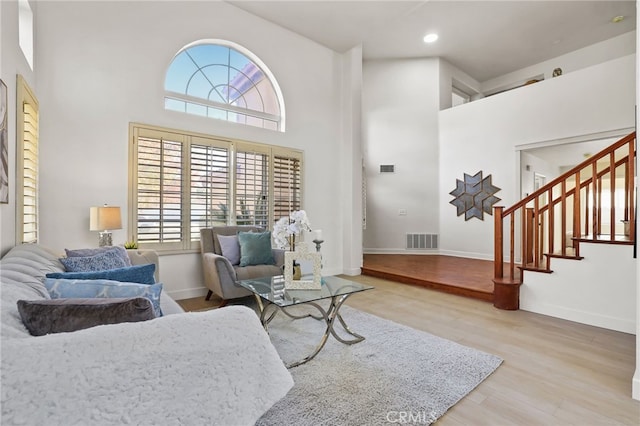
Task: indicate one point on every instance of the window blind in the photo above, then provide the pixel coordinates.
(27, 147)
(182, 182)
(159, 190)
(252, 189)
(210, 187)
(286, 185)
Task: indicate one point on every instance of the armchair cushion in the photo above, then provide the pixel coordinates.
(230, 247)
(255, 248)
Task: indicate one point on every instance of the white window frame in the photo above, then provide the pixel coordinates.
(278, 119)
(187, 138)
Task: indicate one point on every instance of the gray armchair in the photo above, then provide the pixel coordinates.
(220, 276)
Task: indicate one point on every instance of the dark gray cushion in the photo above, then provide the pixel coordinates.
(64, 315)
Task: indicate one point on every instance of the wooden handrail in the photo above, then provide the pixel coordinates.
(580, 209)
(591, 160)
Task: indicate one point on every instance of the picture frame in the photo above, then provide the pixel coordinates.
(302, 253)
(4, 145)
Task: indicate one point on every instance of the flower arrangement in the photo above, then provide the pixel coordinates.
(286, 229)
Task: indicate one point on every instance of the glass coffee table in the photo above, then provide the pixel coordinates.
(273, 297)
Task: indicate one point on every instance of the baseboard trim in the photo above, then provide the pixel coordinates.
(399, 251)
(352, 272)
(188, 293)
(431, 252)
(583, 317)
(467, 254)
(635, 384)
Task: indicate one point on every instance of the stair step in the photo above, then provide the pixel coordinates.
(534, 269)
(564, 256)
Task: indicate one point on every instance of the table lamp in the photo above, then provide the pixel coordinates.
(104, 219)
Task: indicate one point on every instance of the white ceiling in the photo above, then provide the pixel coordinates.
(485, 39)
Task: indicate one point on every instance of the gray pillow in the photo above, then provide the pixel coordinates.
(102, 261)
(87, 252)
(63, 315)
(230, 248)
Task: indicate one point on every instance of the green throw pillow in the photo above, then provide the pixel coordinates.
(255, 248)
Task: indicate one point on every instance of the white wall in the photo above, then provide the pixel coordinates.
(483, 135)
(636, 376)
(566, 292)
(535, 165)
(400, 122)
(351, 161)
(12, 62)
(597, 53)
(102, 66)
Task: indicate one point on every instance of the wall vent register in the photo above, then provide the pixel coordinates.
(422, 241)
(387, 168)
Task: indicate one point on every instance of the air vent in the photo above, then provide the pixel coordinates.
(422, 241)
(387, 168)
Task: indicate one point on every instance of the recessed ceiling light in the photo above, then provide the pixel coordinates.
(617, 19)
(430, 38)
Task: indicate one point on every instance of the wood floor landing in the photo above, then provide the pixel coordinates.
(455, 275)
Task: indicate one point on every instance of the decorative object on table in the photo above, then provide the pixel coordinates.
(4, 145)
(557, 72)
(317, 239)
(284, 233)
(287, 228)
(105, 219)
(131, 245)
(302, 253)
(474, 195)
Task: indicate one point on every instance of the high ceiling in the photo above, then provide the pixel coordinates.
(486, 39)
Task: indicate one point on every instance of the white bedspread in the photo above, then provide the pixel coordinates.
(206, 368)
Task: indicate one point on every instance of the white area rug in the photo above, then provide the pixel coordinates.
(397, 373)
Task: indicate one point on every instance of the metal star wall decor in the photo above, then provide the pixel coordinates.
(474, 196)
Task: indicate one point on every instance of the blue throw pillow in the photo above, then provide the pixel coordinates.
(141, 274)
(86, 252)
(99, 262)
(255, 248)
(84, 289)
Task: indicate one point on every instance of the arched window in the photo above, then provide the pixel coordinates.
(220, 79)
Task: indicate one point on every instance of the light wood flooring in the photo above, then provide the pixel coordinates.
(555, 372)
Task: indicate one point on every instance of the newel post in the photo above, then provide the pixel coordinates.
(506, 292)
(498, 257)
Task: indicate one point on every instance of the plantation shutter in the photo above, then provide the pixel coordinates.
(252, 188)
(30, 172)
(159, 190)
(286, 185)
(210, 187)
(27, 181)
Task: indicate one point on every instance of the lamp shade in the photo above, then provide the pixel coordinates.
(104, 218)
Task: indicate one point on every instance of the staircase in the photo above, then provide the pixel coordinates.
(593, 202)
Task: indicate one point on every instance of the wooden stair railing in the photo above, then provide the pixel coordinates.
(581, 205)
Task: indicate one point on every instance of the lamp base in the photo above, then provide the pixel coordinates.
(104, 239)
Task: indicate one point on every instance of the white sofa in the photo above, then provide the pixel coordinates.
(214, 367)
